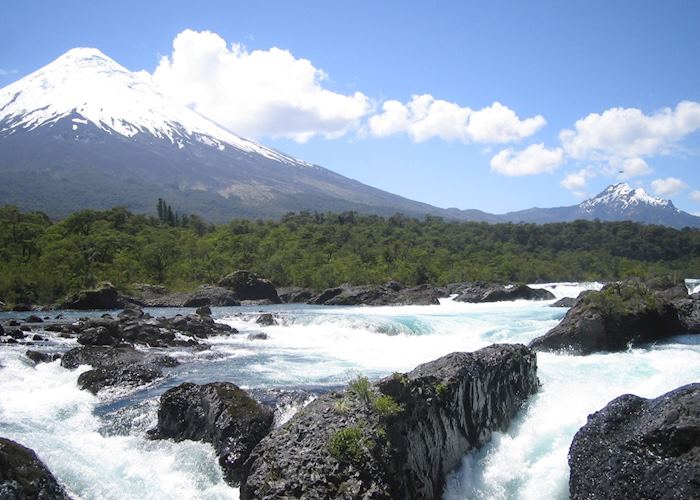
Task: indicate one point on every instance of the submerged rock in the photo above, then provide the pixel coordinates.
(115, 366)
(24, 476)
(611, 320)
(42, 357)
(398, 438)
(639, 448)
(249, 286)
(219, 413)
(266, 319)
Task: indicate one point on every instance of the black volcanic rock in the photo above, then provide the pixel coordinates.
(639, 448)
(689, 312)
(219, 413)
(398, 438)
(104, 296)
(490, 292)
(205, 295)
(133, 326)
(115, 366)
(23, 476)
(565, 302)
(295, 295)
(42, 357)
(249, 286)
(392, 293)
(612, 319)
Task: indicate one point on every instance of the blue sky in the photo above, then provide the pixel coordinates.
(499, 82)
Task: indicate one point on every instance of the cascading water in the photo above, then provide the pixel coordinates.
(98, 448)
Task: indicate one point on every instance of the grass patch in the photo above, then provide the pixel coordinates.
(348, 444)
(362, 388)
(341, 406)
(440, 389)
(386, 406)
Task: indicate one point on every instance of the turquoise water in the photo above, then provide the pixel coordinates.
(97, 447)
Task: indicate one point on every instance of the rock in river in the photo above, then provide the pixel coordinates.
(249, 286)
(398, 438)
(639, 448)
(24, 476)
(115, 366)
(219, 413)
(611, 319)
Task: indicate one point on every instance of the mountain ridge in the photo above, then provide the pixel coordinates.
(85, 132)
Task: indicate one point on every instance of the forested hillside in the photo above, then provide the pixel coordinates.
(41, 261)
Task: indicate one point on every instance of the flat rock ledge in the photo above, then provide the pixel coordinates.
(24, 476)
(397, 438)
(639, 448)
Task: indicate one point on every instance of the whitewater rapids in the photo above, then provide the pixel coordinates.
(97, 446)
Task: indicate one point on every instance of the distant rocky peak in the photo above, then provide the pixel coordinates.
(622, 196)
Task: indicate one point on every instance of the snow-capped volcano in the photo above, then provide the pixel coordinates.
(623, 197)
(84, 131)
(615, 203)
(90, 87)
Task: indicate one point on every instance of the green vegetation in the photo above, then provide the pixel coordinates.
(623, 298)
(341, 406)
(440, 389)
(42, 261)
(348, 444)
(401, 378)
(386, 406)
(362, 388)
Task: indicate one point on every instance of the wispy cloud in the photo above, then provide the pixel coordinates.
(8, 72)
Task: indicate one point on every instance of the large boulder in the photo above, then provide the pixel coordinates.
(24, 476)
(611, 319)
(115, 366)
(688, 309)
(489, 292)
(219, 413)
(249, 286)
(639, 448)
(398, 438)
(104, 296)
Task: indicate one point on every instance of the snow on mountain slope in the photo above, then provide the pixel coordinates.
(85, 82)
(621, 197)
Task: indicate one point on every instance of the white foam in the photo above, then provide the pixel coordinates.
(42, 408)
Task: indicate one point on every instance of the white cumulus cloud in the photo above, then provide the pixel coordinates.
(425, 117)
(259, 93)
(668, 187)
(534, 159)
(576, 181)
(695, 195)
(618, 134)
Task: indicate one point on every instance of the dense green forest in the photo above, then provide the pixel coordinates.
(42, 261)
